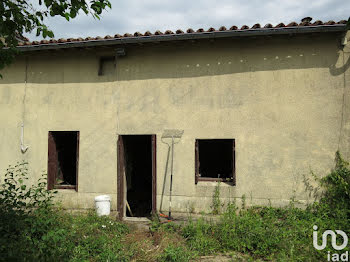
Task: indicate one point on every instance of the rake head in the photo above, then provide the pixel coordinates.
(172, 133)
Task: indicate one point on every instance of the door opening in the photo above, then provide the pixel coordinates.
(136, 175)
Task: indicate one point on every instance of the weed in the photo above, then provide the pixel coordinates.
(336, 189)
(190, 207)
(216, 201)
(243, 201)
(200, 237)
(175, 254)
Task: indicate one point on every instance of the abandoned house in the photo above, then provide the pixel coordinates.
(253, 108)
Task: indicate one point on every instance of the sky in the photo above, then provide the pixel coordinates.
(129, 16)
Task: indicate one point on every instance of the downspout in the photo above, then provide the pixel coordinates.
(23, 147)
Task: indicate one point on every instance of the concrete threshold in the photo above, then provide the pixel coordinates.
(136, 219)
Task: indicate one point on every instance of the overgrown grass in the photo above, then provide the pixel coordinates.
(32, 229)
(278, 234)
(52, 235)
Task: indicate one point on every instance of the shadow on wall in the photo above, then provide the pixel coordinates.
(335, 71)
(183, 60)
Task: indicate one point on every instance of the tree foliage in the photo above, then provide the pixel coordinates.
(21, 16)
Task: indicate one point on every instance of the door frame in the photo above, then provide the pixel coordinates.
(121, 194)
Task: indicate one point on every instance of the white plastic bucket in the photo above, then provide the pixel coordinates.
(103, 205)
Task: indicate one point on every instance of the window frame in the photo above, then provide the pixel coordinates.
(213, 179)
(52, 163)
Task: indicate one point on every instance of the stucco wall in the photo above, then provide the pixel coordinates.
(284, 99)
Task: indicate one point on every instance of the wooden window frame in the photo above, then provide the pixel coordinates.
(213, 179)
(52, 164)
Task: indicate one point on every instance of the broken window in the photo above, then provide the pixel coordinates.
(63, 160)
(215, 160)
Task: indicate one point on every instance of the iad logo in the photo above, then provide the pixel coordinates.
(334, 256)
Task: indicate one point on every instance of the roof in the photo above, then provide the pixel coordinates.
(306, 26)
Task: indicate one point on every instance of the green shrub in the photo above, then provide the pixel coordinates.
(336, 190)
(19, 204)
(32, 229)
(17, 196)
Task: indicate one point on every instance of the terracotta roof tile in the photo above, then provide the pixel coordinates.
(280, 25)
(330, 22)
(318, 22)
(307, 21)
(292, 24)
(304, 24)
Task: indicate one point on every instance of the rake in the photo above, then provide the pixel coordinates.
(175, 136)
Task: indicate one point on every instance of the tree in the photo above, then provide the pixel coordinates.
(21, 16)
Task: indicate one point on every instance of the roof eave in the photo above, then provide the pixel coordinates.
(187, 36)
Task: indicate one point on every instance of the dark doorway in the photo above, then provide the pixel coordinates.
(137, 153)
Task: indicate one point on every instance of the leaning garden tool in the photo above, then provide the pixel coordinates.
(175, 136)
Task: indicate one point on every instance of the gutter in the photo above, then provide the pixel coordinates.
(187, 36)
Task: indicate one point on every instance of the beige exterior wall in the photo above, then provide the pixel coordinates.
(286, 101)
